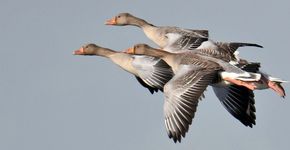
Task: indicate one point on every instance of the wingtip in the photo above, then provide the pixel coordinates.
(174, 139)
(151, 91)
(251, 44)
(256, 45)
(260, 46)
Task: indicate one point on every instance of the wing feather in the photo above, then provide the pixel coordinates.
(182, 94)
(153, 72)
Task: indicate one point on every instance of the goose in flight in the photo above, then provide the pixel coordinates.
(150, 72)
(193, 72)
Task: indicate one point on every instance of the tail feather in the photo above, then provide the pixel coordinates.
(252, 77)
(278, 80)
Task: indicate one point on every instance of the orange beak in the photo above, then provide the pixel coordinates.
(130, 50)
(79, 51)
(112, 21)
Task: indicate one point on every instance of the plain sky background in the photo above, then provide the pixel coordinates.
(53, 100)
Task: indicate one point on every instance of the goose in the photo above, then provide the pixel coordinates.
(150, 72)
(174, 39)
(193, 72)
(169, 38)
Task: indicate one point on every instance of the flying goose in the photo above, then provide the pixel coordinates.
(175, 39)
(150, 72)
(193, 73)
(169, 38)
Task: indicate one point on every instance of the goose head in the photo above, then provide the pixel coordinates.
(93, 49)
(138, 49)
(88, 49)
(123, 19)
(144, 49)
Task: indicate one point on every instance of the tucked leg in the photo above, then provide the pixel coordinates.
(248, 85)
(274, 86)
(277, 88)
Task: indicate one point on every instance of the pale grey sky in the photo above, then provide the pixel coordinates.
(52, 100)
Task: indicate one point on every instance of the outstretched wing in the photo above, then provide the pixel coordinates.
(239, 101)
(182, 93)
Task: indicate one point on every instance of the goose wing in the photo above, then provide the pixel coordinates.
(233, 46)
(183, 39)
(182, 94)
(184, 42)
(222, 50)
(150, 88)
(239, 101)
(153, 72)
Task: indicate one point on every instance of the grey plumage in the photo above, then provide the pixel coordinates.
(182, 94)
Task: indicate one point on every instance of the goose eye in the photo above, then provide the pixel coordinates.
(118, 16)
